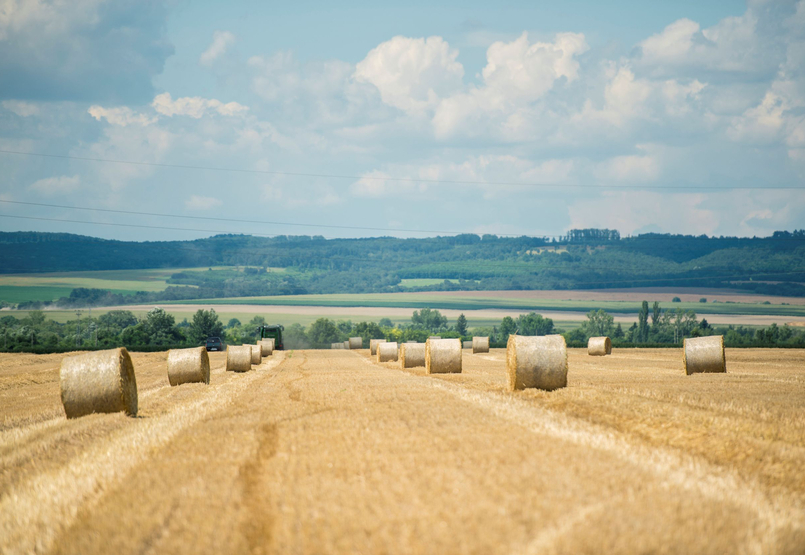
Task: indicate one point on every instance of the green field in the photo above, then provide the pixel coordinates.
(458, 302)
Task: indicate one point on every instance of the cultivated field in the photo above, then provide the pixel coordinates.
(329, 452)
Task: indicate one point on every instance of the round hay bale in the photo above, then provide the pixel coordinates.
(373, 343)
(238, 359)
(102, 381)
(387, 352)
(539, 362)
(466, 344)
(345, 345)
(188, 366)
(599, 346)
(435, 337)
(355, 343)
(256, 354)
(412, 354)
(266, 347)
(480, 345)
(704, 354)
(443, 356)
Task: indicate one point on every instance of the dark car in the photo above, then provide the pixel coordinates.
(214, 344)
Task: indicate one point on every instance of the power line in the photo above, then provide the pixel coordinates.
(265, 222)
(401, 179)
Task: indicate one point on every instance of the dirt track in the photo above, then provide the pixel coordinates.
(328, 452)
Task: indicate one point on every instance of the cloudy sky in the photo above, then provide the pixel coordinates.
(530, 118)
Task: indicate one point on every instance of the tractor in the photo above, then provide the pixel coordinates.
(273, 331)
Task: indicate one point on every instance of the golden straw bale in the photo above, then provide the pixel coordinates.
(387, 352)
(704, 354)
(238, 359)
(539, 362)
(443, 356)
(355, 343)
(102, 381)
(599, 346)
(346, 344)
(373, 343)
(466, 344)
(266, 346)
(256, 352)
(188, 366)
(412, 354)
(480, 345)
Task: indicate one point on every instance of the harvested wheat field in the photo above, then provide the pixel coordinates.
(330, 452)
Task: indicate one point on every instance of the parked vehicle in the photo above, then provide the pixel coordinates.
(214, 344)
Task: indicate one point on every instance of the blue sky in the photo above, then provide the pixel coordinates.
(519, 118)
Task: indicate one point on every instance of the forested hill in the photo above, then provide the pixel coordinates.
(583, 259)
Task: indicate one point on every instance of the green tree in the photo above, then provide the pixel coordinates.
(599, 323)
(233, 323)
(656, 314)
(385, 323)
(429, 319)
(160, 327)
(642, 323)
(618, 333)
(205, 324)
(322, 332)
(534, 324)
(507, 327)
(461, 324)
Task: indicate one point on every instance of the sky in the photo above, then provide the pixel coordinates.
(149, 120)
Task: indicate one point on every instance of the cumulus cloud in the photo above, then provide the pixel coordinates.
(52, 186)
(221, 40)
(195, 107)
(73, 50)
(412, 74)
(196, 202)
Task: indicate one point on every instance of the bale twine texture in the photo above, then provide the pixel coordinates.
(373, 343)
(266, 347)
(704, 354)
(412, 355)
(599, 346)
(256, 353)
(238, 359)
(98, 382)
(387, 352)
(355, 342)
(443, 356)
(539, 362)
(480, 345)
(188, 366)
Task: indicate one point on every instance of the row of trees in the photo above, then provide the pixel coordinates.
(158, 330)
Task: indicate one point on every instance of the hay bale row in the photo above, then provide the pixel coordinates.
(412, 355)
(599, 346)
(480, 345)
(256, 353)
(443, 356)
(373, 343)
(387, 351)
(238, 359)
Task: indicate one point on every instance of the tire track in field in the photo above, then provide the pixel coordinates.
(33, 513)
(778, 513)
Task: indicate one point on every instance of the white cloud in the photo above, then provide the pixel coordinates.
(60, 185)
(196, 202)
(516, 74)
(373, 184)
(412, 74)
(22, 109)
(630, 169)
(122, 116)
(221, 40)
(195, 107)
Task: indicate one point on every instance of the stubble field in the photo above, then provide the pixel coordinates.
(330, 452)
